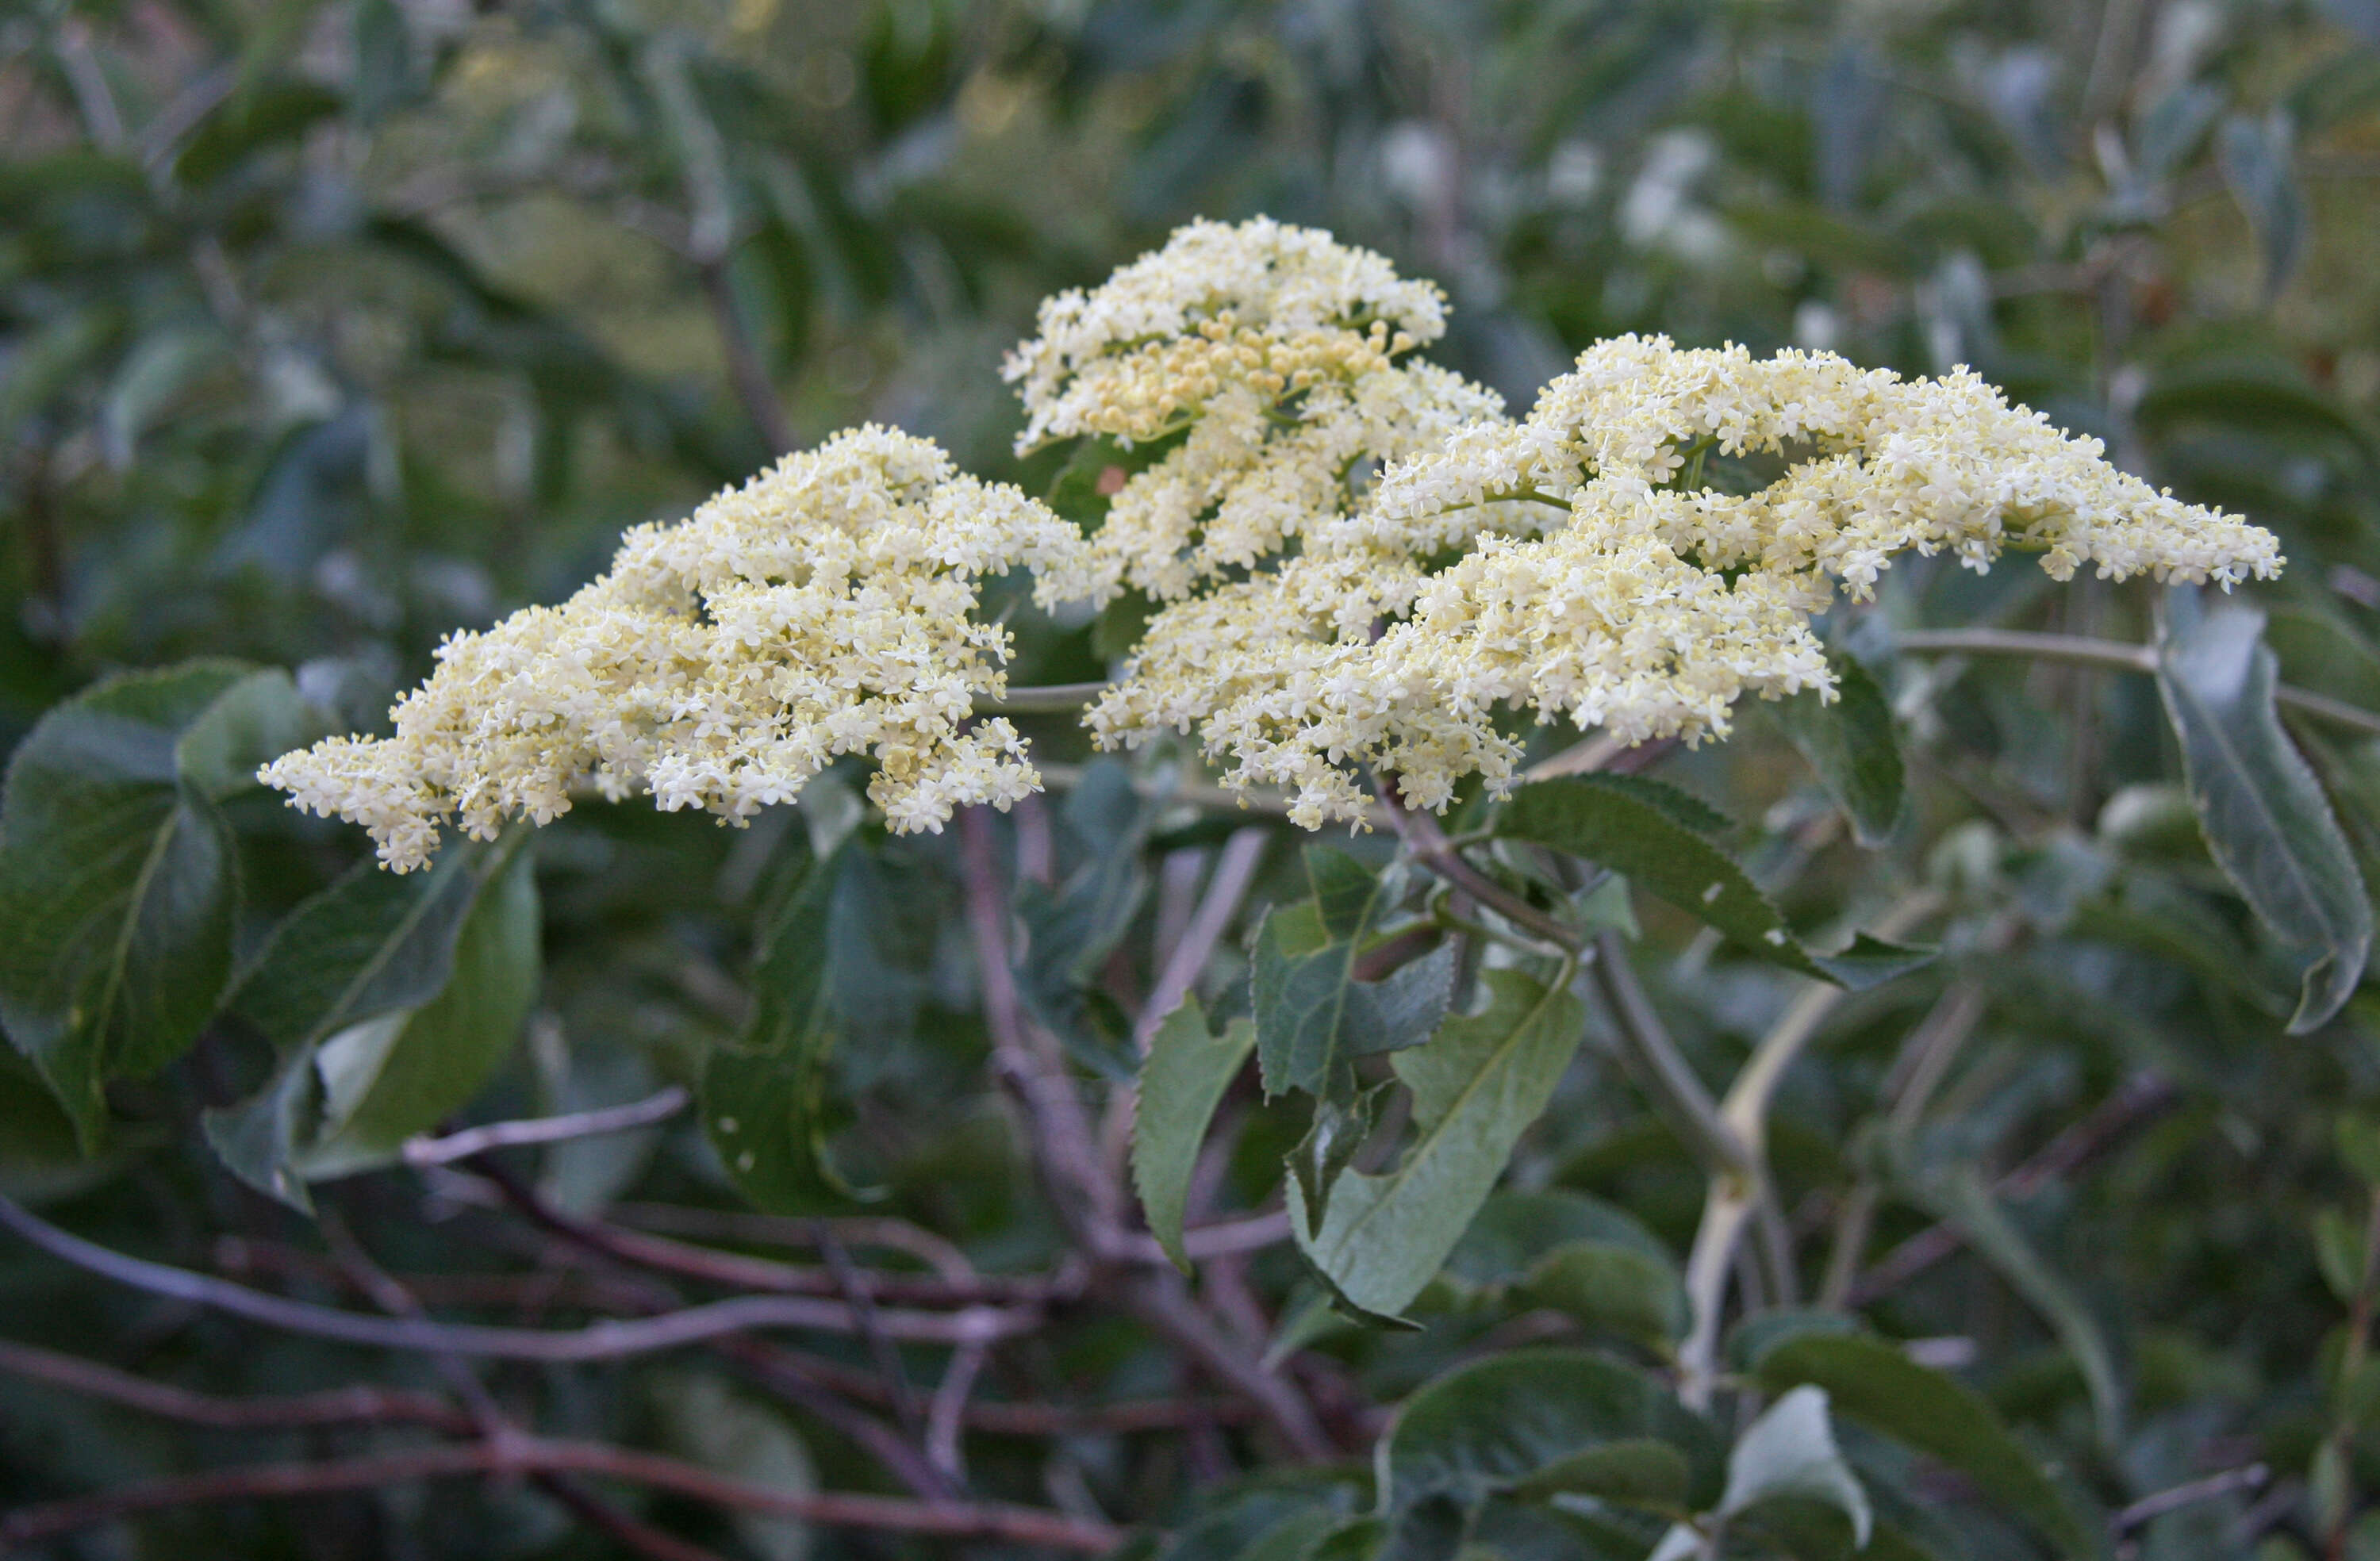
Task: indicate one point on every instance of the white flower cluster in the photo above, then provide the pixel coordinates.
(1360, 564)
(825, 608)
(1282, 692)
(1658, 602)
(1268, 354)
(1878, 465)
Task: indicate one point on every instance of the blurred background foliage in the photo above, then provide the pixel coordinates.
(327, 326)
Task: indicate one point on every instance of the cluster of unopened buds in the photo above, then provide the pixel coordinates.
(1294, 483)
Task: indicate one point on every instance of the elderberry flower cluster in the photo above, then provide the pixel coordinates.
(1654, 600)
(1255, 370)
(1356, 563)
(1877, 465)
(825, 608)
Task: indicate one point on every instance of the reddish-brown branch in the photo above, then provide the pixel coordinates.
(979, 1520)
(2138, 1099)
(781, 1371)
(495, 1426)
(610, 1340)
(623, 1528)
(658, 1108)
(1066, 1146)
(744, 1272)
(881, 1231)
(338, 1405)
(1066, 1155)
(1159, 1300)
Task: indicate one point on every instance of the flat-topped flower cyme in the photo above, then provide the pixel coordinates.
(1877, 465)
(825, 608)
(1360, 564)
(1652, 602)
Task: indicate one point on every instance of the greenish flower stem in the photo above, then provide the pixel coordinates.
(1737, 1190)
(2113, 655)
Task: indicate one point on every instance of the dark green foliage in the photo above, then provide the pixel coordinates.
(1659, 838)
(1314, 1015)
(329, 327)
(2266, 820)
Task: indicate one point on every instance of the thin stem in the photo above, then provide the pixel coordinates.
(608, 1340)
(1064, 1147)
(1422, 836)
(1579, 757)
(1043, 699)
(2356, 1349)
(746, 369)
(2115, 655)
(891, 1234)
(739, 1270)
(1652, 1059)
(1854, 1222)
(656, 1108)
(495, 1426)
(339, 1406)
(1727, 1206)
(946, 1417)
(2249, 1477)
(1510, 496)
(1235, 870)
(1736, 1191)
(2140, 1097)
(854, 1286)
(945, 1519)
(1161, 1299)
(1066, 1156)
(789, 1376)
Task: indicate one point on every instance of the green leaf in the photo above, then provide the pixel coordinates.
(118, 883)
(1095, 470)
(1789, 1451)
(344, 975)
(1182, 1081)
(252, 722)
(1477, 1087)
(2257, 156)
(1513, 1230)
(249, 123)
(1632, 1471)
(2358, 1137)
(1649, 834)
(1240, 1513)
(159, 368)
(2266, 822)
(1070, 931)
(2339, 1253)
(1850, 743)
(387, 1079)
(1871, 1381)
(1313, 1017)
(1294, 1537)
(346, 969)
(1962, 1197)
(706, 1421)
(1358, 1539)
(1340, 1128)
(1504, 1422)
(763, 1101)
(40, 1157)
(1619, 1289)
